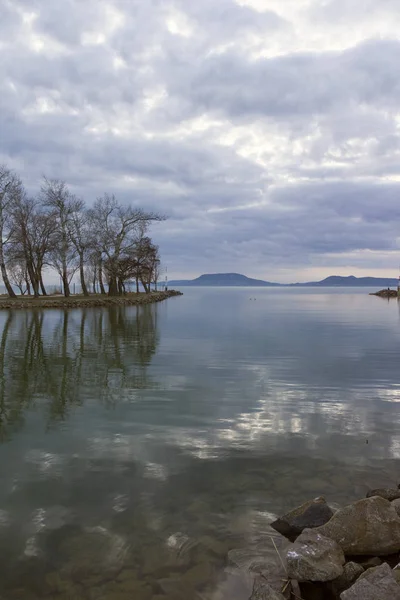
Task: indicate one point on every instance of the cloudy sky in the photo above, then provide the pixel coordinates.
(267, 130)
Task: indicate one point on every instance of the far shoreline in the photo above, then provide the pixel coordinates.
(80, 301)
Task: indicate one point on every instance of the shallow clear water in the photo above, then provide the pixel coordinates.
(142, 449)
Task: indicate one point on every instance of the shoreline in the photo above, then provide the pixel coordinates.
(78, 301)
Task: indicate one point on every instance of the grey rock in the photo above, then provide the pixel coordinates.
(277, 579)
(314, 557)
(296, 591)
(351, 572)
(387, 493)
(307, 516)
(258, 561)
(396, 505)
(377, 583)
(369, 527)
(263, 591)
(371, 562)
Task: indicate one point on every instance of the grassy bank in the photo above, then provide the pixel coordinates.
(79, 301)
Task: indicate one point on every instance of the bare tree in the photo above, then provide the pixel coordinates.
(146, 254)
(156, 270)
(149, 261)
(10, 190)
(62, 205)
(116, 229)
(108, 242)
(19, 276)
(79, 231)
(32, 238)
(90, 274)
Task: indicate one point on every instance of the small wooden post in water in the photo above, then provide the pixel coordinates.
(398, 288)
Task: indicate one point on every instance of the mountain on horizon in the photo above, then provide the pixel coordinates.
(227, 279)
(351, 281)
(236, 279)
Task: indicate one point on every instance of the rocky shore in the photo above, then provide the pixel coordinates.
(347, 554)
(386, 294)
(21, 302)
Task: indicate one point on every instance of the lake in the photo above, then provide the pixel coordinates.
(144, 451)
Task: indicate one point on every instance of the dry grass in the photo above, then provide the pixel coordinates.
(79, 301)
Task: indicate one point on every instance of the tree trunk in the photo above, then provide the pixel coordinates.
(82, 276)
(120, 287)
(35, 285)
(32, 277)
(67, 291)
(28, 285)
(42, 285)
(144, 284)
(113, 286)
(137, 284)
(4, 275)
(65, 282)
(102, 290)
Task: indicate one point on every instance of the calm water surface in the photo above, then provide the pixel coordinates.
(144, 452)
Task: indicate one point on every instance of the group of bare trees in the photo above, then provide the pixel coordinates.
(107, 243)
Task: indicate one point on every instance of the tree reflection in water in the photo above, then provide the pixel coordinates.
(53, 358)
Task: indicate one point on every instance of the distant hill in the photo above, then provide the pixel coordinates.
(236, 279)
(223, 279)
(351, 281)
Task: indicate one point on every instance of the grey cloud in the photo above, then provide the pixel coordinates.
(297, 85)
(330, 117)
(226, 19)
(339, 11)
(10, 22)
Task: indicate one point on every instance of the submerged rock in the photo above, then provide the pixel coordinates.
(256, 562)
(377, 583)
(370, 562)
(387, 493)
(263, 591)
(314, 557)
(307, 516)
(396, 505)
(367, 527)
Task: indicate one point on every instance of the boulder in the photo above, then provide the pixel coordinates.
(351, 572)
(314, 557)
(396, 505)
(368, 527)
(258, 561)
(263, 591)
(370, 562)
(377, 583)
(387, 493)
(307, 516)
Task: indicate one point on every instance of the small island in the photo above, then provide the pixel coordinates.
(386, 293)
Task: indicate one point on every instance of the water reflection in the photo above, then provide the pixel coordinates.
(54, 360)
(142, 447)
